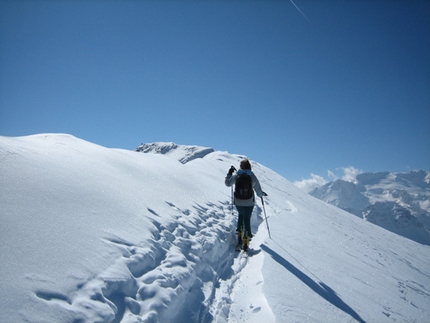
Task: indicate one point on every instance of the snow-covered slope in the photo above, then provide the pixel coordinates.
(90, 234)
(399, 202)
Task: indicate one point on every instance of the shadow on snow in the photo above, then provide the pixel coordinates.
(320, 288)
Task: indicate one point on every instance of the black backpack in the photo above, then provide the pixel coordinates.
(243, 188)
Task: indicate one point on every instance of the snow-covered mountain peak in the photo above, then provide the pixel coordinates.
(399, 202)
(343, 194)
(182, 153)
(371, 178)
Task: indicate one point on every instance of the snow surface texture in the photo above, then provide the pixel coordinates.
(399, 202)
(91, 234)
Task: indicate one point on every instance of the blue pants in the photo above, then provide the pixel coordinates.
(244, 220)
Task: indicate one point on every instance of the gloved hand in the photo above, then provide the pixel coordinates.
(264, 194)
(231, 171)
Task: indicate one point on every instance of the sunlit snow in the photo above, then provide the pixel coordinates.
(91, 234)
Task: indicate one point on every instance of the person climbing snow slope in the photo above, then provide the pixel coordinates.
(245, 183)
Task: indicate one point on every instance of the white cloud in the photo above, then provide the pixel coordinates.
(331, 175)
(350, 174)
(308, 185)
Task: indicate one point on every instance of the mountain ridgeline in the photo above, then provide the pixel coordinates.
(182, 153)
(398, 202)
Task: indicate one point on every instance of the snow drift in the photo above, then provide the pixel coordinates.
(91, 234)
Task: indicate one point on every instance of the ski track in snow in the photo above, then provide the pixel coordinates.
(160, 281)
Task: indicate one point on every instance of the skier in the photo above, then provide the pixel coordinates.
(245, 183)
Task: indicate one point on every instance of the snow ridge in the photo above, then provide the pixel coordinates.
(181, 152)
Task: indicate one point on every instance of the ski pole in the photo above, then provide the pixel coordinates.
(231, 193)
(265, 216)
(232, 197)
(232, 203)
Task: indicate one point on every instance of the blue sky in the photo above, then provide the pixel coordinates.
(348, 86)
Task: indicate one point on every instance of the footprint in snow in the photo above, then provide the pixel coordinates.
(257, 309)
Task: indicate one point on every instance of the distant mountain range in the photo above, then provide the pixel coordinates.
(398, 202)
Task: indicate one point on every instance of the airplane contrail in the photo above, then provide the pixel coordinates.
(300, 11)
